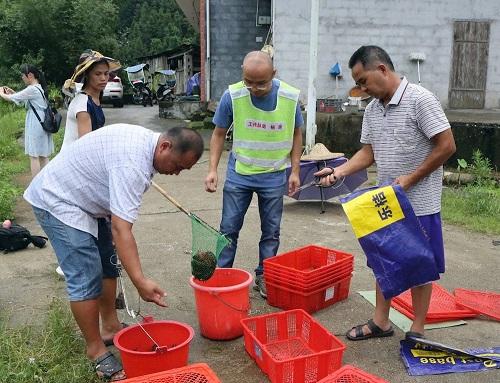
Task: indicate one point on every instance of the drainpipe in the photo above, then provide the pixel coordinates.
(311, 88)
(273, 13)
(203, 51)
(207, 59)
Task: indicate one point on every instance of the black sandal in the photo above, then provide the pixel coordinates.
(107, 366)
(375, 331)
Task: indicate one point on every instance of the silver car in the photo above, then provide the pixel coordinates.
(112, 93)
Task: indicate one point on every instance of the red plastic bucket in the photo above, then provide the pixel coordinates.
(138, 353)
(221, 302)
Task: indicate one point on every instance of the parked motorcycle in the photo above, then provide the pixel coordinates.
(139, 78)
(165, 80)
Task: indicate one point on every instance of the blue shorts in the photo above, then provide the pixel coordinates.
(83, 259)
(431, 225)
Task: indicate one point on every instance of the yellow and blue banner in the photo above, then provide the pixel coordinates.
(425, 357)
(396, 247)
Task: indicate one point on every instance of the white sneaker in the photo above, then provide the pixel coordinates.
(59, 271)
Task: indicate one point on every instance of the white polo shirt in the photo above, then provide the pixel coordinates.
(400, 135)
(104, 172)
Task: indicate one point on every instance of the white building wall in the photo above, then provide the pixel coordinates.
(398, 26)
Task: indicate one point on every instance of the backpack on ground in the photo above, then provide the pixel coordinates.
(18, 237)
(52, 120)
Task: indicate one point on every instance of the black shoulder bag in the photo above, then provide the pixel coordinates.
(52, 121)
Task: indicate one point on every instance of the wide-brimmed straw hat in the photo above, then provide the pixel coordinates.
(88, 58)
(320, 152)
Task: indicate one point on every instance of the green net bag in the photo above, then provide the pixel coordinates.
(207, 244)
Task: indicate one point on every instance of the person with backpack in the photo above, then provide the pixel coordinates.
(38, 144)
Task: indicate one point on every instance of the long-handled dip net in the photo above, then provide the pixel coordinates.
(206, 243)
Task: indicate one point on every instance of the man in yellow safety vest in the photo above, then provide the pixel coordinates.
(267, 136)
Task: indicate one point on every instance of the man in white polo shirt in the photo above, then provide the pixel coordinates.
(406, 133)
(104, 173)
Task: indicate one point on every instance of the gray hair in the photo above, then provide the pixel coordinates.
(185, 140)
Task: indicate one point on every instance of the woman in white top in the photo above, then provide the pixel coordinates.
(85, 112)
(38, 144)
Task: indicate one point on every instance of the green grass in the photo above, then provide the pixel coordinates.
(12, 158)
(474, 207)
(53, 353)
(58, 140)
(13, 161)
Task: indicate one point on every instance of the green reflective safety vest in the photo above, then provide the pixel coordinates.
(262, 140)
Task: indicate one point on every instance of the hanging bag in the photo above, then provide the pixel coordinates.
(52, 120)
(396, 246)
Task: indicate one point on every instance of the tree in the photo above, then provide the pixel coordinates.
(52, 33)
(157, 26)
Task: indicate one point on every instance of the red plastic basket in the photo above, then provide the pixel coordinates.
(351, 374)
(410, 314)
(318, 279)
(442, 306)
(306, 287)
(195, 373)
(482, 302)
(329, 105)
(286, 298)
(308, 261)
(314, 277)
(291, 347)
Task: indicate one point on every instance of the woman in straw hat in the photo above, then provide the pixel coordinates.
(85, 112)
(38, 144)
(85, 115)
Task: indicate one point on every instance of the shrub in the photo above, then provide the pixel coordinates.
(481, 169)
(12, 159)
(477, 205)
(55, 96)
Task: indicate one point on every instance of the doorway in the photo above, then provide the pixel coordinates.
(470, 64)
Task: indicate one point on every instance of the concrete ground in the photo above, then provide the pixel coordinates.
(28, 280)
